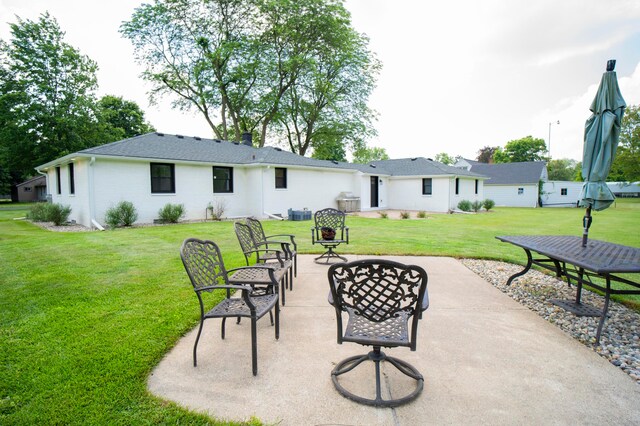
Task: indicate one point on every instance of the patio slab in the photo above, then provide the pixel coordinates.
(485, 358)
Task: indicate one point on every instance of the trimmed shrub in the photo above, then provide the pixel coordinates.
(384, 215)
(488, 204)
(216, 209)
(476, 206)
(465, 205)
(171, 213)
(39, 212)
(405, 215)
(123, 214)
(422, 214)
(58, 214)
(47, 212)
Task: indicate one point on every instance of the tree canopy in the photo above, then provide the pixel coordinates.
(524, 149)
(626, 164)
(48, 106)
(485, 154)
(445, 158)
(293, 71)
(46, 96)
(563, 169)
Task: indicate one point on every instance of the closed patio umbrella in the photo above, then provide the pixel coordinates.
(601, 134)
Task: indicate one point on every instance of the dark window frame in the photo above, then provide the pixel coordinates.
(521, 191)
(563, 191)
(228, 180)
(476, 186)
(427, 186)
(72, 180)
(457, 186)
(281, 181)
(58, 181)
(158, 182)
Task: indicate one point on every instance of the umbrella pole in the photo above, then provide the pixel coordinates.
(586, 223)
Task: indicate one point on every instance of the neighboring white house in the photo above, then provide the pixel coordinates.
(625, 189)
(560, 193)
(155, 169)
(510, 184)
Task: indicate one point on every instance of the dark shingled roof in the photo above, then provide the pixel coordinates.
(421, 166)
(167, 147)
(529, 172)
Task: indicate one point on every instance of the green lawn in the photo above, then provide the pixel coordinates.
(84, 317)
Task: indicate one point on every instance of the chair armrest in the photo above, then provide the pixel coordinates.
(225, 287)
(346, 230)
(277, 252)
(291, 236)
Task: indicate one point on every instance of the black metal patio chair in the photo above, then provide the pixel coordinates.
(204, 265)
(263, 240)
(329, 231)
(279, 260)
(383, 301)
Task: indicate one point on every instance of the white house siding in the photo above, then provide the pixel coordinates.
(507, 195)
(78, 201)
(552, 193)
(466, 191)
(314, 189)
(406, 193)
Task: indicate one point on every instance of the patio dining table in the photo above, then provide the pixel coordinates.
(599, 259)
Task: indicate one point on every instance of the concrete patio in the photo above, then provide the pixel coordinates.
(485, 359)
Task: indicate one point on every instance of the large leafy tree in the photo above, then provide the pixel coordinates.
(524, 149)
(289, 70)
(47, 104)
(120, 119)
(562, 169)
(364, 154)
(626, 165)
(485, 155)
(445, 158)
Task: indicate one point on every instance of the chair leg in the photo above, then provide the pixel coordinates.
(277, 321)
(254, 347)
(195, 346)
(295, 265)
(328, 255)
(224, 320)
(283, 285)
(377, 356)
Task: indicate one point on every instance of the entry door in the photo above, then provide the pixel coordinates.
(374, 191)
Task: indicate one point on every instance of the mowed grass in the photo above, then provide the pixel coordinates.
(84, 317)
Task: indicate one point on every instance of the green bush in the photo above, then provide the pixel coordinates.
(476, 206)
(384, 215)
(465, 205)
(47, 212)
(488, 204)
(58, 214)
(123, 214)
(171, 213)
(405, 215)
(39, 212)
(422, 214)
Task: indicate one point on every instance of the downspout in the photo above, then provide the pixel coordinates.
(92, 199)
(46, 179)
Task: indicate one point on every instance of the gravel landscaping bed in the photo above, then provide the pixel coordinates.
(620, 339)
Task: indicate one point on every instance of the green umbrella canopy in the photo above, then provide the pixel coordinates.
(602, 131)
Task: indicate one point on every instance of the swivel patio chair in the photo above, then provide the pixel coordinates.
(383, 301)
(279, 260)
(329, 231)
(263, 240)
(203, 262)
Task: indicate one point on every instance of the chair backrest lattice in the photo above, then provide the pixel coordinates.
(256, 230)
(203, 263)
(378, 290)
(329, 218)
(245, 238)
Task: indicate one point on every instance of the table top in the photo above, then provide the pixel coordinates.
(598, 256)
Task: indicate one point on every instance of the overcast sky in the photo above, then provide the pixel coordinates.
(457, 75)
